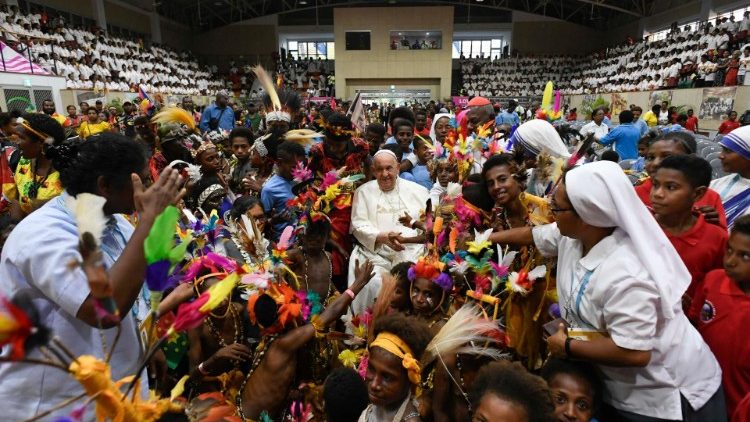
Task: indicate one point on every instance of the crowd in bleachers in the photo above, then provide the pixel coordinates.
(712, 54)
(315, 76)
(92, 59)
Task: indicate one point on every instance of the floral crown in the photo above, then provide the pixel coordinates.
(332, 130)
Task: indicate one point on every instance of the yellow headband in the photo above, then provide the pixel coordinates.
(396, 346)
(41, 135)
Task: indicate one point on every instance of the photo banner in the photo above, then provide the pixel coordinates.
(717, 102)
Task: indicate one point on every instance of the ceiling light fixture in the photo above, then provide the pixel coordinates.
(303, 2)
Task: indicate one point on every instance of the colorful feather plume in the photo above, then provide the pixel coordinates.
(266, 82)
(174, 115)
(463, 333)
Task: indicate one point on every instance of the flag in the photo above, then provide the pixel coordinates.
(145, 99)
(357, 114)
(14, 62)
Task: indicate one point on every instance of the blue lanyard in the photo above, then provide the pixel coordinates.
(579, 296)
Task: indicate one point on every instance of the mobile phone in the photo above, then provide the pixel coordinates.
(553, 327)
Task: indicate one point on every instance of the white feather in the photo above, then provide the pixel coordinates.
(507, 259)
(459, 268)
(538, 272)
(481, 237)
(88, 210)
(464, 332)
(453, 190)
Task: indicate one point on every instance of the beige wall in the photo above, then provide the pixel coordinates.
(680, 97)
(127, 18)
(432, 68)
(236, 40)
(554, 37)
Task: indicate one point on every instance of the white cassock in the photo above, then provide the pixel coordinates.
(375, 212)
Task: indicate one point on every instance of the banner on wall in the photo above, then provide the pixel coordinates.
(618, 104)
(658, 97)
(90, 97)
(320, 100)
(717, 102)
(460, 101)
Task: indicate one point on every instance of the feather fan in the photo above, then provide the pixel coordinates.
(88, 210)
(174, 115)
(465, 327)
(304, 137)
(266, 82)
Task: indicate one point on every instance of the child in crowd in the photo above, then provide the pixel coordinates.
(400, 301)
(344, 395)
(575, 388)
(420, 123)
(504, 391)
(240, 139)
(611, 155)
(429, 293)
(375, 137)
(403, 131)
(678, 183)
(278, 190)
(722, 306)
(311, 262)
(419, 172)
(444, 171)
(393, 372)
(679, 143)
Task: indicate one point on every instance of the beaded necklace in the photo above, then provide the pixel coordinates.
(330, 276)
(260, 352)
(238, 332)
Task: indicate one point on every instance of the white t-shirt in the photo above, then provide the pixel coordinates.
(36, 260)
(609, 291)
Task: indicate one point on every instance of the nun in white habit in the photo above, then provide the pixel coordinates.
(376, 208)
(620, 283)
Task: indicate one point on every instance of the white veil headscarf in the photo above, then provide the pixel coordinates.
(435, 119)
(604, 197)
(539, 136)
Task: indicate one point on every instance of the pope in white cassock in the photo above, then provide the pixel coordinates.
(376, 208)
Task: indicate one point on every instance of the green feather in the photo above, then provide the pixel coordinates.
(160, 240)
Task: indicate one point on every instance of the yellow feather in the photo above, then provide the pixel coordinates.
(304, 137)
(267, 83)
(174, 115)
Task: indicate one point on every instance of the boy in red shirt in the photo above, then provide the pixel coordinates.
(692, 121)
(678, 183)
(723, 309)
(679, 143)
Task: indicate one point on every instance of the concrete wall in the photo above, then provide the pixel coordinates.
(249, 39)
(666, 14)
(688, 97)
(127, 17)
(431, 69)
(536, 34)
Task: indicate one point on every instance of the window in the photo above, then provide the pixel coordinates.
(492, 48)
(416, 40)
(314, 49)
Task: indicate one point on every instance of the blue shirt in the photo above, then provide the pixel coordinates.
(506, 118)
(642, 126)
(625, 137)
(225, 117)
(274, 196)
(419, 174)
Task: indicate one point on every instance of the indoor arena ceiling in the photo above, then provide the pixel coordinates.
(207, 14)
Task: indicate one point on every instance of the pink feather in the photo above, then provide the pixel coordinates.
(286, 237)
(558, 101)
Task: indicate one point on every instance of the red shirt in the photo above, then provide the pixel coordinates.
(728, 126)
(692, 124)
(711, 198)
(425, 133)
(742, 412)
(701, 249)
(723, 320)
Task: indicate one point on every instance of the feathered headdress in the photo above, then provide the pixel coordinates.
(429, 268)
(175, 115)
(467, 332)
(280, 105)
(550, 111)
